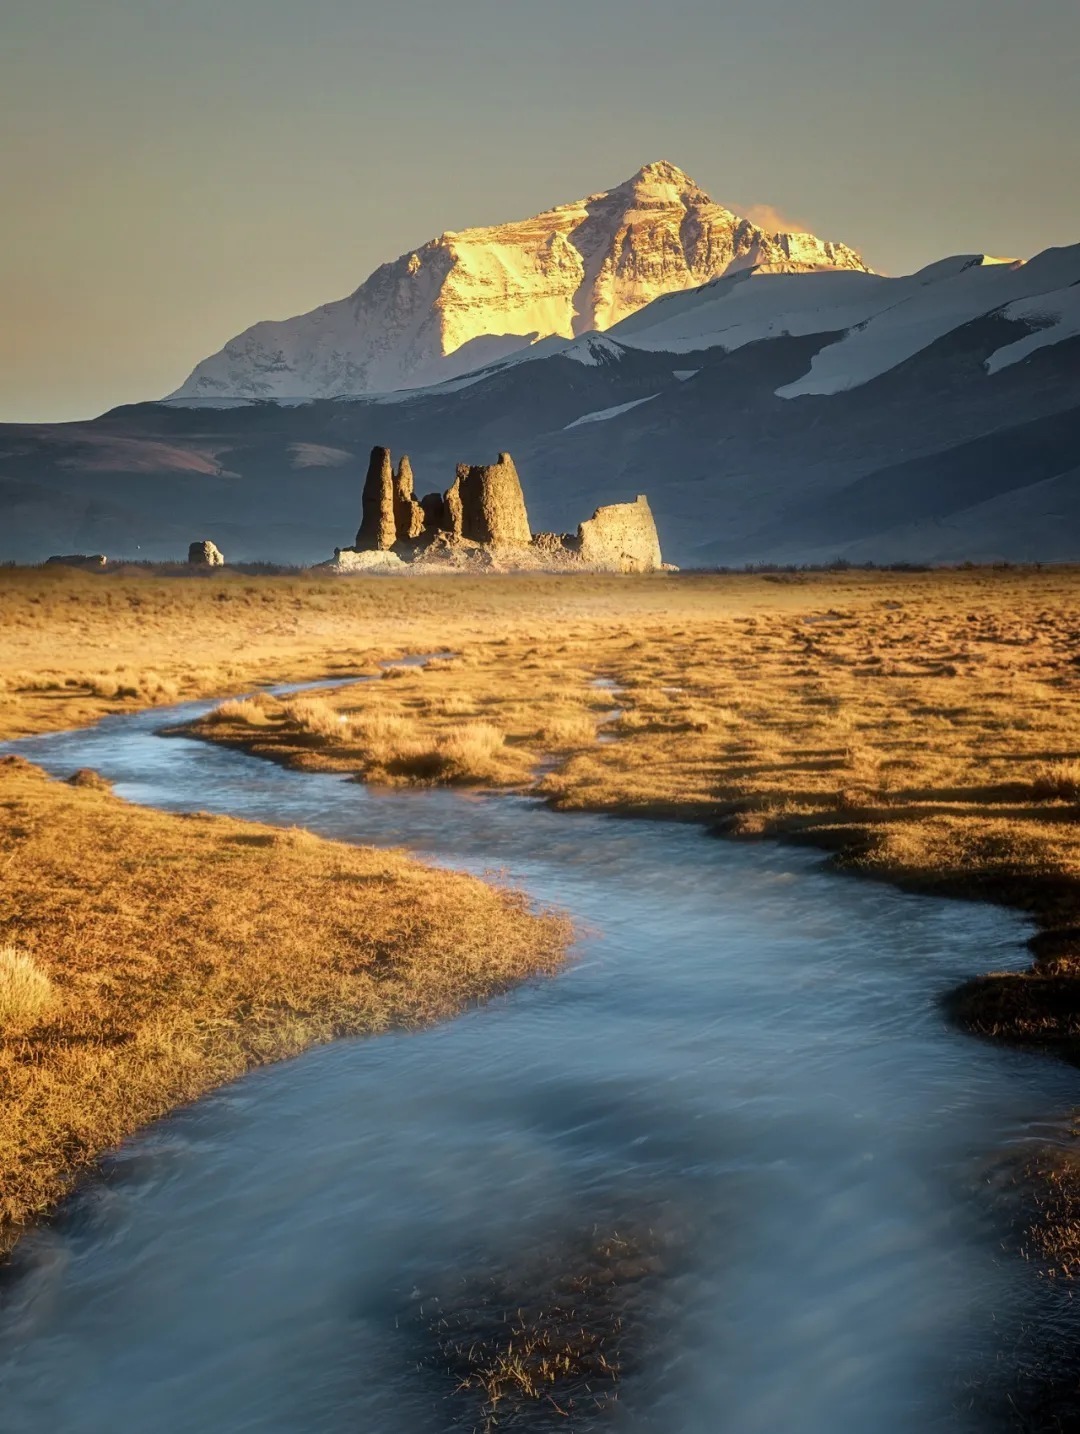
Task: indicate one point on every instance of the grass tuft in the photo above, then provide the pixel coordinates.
(26, 991)
(1057, 781)
(550, 1339)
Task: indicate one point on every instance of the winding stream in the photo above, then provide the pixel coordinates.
(746, 1055)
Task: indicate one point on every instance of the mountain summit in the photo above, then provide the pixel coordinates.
(468, 298)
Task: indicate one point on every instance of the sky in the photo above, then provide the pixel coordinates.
(173, 171)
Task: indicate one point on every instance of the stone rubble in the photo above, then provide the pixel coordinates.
(78, 560)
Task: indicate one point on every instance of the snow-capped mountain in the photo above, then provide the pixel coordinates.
(877, 322)
(466, 299)
(769, 417)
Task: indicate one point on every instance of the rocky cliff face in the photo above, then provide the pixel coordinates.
(466, 299)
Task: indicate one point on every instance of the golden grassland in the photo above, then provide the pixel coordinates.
(146, 958)
(926, 727)
(75, 646)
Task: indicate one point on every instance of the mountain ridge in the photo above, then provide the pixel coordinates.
(470, 297)
(771, 417)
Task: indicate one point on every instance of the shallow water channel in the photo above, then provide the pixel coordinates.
(746, 1055)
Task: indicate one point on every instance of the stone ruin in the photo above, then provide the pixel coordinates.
(78, 560)
(481, 521)
(625, 529)
(205, 554)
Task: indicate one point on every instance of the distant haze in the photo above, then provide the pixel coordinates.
(173, 173)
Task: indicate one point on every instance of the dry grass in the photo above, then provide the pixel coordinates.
(75, 646)
(450, 723)
(182, 951)
(1057, 781)
(26, 992)
(315, 717)
(924, 727)
(1049, 1187)
(249, 711)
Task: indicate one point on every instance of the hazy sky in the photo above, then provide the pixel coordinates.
(174, 170)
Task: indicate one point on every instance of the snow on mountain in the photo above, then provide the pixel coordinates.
(1054, 317)
(468, 299)
(868, 323)
(593, 351)
(880, 321)
(968, 448)
(749, 306)
(603, 414)
(927, 311)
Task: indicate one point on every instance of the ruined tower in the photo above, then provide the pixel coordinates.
(492, 504)
(378, 528)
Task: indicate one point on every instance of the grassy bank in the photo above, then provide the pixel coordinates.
(926, 728)
(923, 726)
(146, 958)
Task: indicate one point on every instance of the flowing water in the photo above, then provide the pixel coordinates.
(745, 1056)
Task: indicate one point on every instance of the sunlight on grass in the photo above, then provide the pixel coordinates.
(26, 992)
